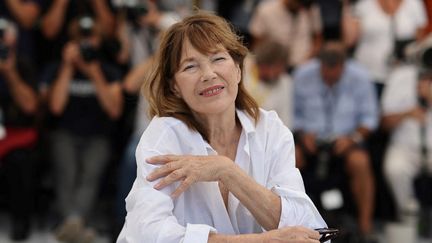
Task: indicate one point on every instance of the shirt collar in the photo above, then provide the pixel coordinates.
(247, 122)
(248, 126)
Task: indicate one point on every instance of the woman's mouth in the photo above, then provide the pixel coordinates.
(212, 91)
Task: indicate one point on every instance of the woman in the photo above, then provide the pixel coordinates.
(212, 166)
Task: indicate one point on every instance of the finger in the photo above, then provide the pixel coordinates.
(314, 234)
(163, 171)
(184, 185)
(174, 176)
(161, 159)
(309, 233)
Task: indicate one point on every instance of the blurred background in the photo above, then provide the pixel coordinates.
(351, 78)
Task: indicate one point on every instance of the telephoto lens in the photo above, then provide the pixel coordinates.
(4, 50)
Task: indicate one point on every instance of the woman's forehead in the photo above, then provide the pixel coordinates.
(188, 49)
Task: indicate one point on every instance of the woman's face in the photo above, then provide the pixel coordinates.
(208, 83)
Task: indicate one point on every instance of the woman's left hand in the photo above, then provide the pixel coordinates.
(188, 169)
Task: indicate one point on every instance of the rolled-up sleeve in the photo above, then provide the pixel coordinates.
(297, 209)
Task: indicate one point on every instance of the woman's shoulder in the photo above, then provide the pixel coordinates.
(165, 123)
(169, 133)
(269, 122)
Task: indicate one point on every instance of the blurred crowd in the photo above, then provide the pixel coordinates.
(352, 79)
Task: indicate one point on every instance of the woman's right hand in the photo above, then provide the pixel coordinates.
(295, 234)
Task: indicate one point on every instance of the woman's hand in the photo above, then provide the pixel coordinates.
(187, 168)
(296, 234)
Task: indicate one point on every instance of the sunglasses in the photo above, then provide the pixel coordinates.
(327, 234)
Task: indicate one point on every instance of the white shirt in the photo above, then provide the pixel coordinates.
(265, 152)
(376, 41)
(400, 95)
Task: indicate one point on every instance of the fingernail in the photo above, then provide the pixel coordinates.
(157, 186)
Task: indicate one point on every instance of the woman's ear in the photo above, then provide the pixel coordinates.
(175, 90)
(239, 73)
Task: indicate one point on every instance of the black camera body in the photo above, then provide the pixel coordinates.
(133, 13)
(88, 51)
(133, 10)
(4, 49)
(323, 158)
(307, 3)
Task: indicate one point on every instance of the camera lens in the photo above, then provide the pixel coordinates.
(426, 58)
(4, 51)
(3, 26)
(88, 51)
(86, 24)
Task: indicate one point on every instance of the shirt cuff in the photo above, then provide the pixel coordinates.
(197, 233)
(298, 209)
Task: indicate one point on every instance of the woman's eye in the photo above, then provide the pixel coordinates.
(188, 67)
(219, 59)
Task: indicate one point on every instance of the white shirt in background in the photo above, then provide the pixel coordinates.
(376, 43)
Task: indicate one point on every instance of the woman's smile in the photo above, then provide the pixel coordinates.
(212, 91)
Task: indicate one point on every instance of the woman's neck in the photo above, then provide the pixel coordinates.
(223, 131)
(390, 7)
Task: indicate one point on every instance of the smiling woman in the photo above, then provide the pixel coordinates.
(212, 166)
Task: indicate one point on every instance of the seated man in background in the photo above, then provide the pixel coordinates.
(335, 105)
(268, 82)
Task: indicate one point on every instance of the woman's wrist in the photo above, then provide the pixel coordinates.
(227, 170)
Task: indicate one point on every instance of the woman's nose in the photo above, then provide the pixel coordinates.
(207, 72)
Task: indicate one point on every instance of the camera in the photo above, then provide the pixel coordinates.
(323, 159)
(88, 51)
(420, 53)
(306, 3)
(133, 9)
(4, 49)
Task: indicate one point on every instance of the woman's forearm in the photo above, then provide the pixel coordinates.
(250, 238)
(267, 210)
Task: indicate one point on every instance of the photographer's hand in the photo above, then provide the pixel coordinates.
(8, 65)
(70, 53)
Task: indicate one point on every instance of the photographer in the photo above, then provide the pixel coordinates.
(407, 115)
(85, 98)
(57, 16)
(19, 106)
